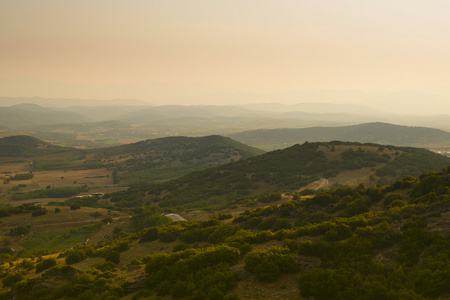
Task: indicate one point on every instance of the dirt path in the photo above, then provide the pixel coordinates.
(322, 183)
(316, 185)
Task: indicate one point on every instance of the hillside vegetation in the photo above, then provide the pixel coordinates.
(28, 147)
(257, 228)
(287, 170)
(381, 242)
(132, 164)
(171, 157)
(379, 133)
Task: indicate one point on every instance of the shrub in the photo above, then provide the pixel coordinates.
(75, 206)
(45, 264)
(106, 266)
(113, 256)
(39, 212)
(20, 230)
(74, 257)
(11, 279)
(268, 265)
(150, 235)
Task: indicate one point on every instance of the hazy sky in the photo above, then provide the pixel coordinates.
(188, 51)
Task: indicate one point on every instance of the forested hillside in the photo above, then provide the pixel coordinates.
(287, 170)
(258, 227)
(132, 164)
(29, 147)
(379, 133)
(171, 157)
(381, 242)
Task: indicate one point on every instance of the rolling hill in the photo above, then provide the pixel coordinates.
(380, 242)
(137, 163)
(28, 147)
(380, 133)
(289, 169)
(171, 157)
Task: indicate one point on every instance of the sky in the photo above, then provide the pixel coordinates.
(227, 51)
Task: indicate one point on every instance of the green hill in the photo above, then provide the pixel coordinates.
(133, 164)
(379, 133)
(171, 157)
(381, 242)
(290, 169)
(27, 146)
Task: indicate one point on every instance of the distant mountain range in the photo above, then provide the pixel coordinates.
(68, 102)
(380, 133)
(268, 125)
(25, 116)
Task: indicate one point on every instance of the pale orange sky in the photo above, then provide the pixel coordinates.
(181, 51)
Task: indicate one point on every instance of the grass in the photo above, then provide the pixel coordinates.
(54, 241)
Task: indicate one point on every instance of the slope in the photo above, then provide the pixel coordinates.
(171, 157)
(379, 242)
(133, 164)
(291, 168)
(380, 133)
(27, 146)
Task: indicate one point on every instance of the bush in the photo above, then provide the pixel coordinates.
(113, 256)
(74, 257)
(20, 230)
(24, 176)
(11, 279)
(268, 265)
(45, 264)
(75, 206)
(150, 235)
(106, 266)
(39, 212)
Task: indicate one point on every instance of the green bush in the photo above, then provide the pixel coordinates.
(150, 235)
(269, 265)
(45, 264)
(39, 212)
(113, 256)
(74, 257)
(11, 279)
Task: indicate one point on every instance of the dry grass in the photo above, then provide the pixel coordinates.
(58, 178)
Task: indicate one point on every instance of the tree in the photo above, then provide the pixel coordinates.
(74, 257)
(113, 256)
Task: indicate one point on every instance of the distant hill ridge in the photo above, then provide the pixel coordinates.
(378, 132)
(171, 157)
(29, 115)
(24, 140)
(294, 167)
(136, 163)
(27, 146)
